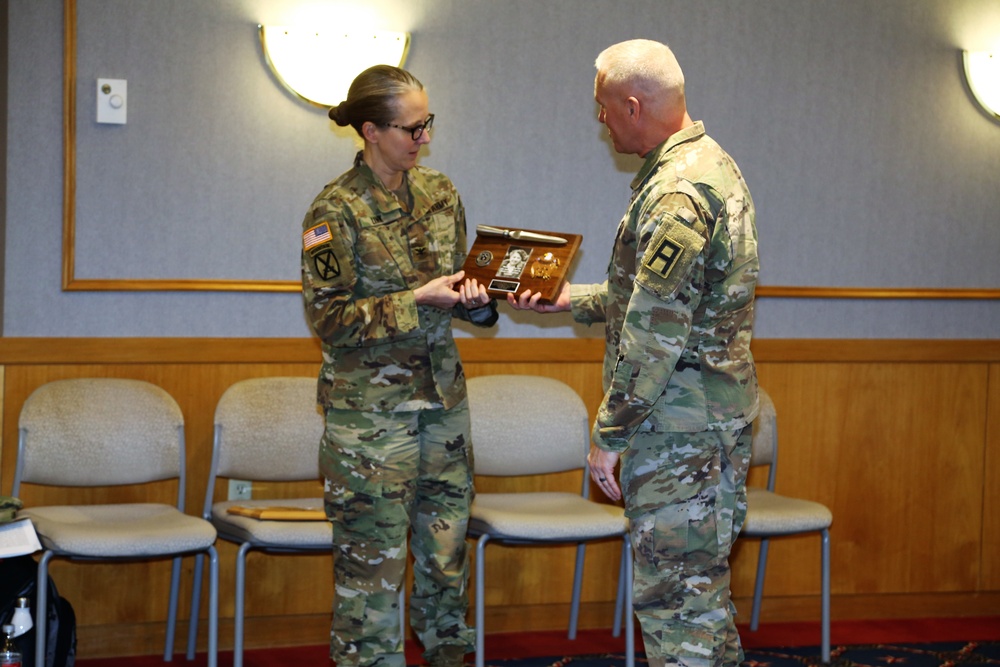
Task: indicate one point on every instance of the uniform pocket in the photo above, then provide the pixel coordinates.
(348, 468)
(686, 528)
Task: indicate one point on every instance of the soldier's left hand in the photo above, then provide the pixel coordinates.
(602, 471)
(473, 294)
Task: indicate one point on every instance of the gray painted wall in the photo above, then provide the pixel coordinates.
(868, 161)
(3, 145)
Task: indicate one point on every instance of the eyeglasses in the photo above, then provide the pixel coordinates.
(416, 131)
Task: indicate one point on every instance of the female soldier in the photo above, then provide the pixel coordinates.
(382, 249)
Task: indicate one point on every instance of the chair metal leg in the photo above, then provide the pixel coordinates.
(41, 600)
(623, 601)
(480, 602)
(238, 610)
(193, 618)
(213, 607)
(619, 596)
(574, 610)
(758, 587)
(175, 585)
(825, 593)
(629, 613)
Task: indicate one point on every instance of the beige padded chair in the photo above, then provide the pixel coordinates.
(109, 432)
(529, 425)
(266, 429)
(772, 515)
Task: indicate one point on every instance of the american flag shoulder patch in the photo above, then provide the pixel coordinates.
(313, 236)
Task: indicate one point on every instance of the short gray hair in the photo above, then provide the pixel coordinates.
(650, 66)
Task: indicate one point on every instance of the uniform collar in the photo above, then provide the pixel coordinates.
(657, 154)
(388, 206)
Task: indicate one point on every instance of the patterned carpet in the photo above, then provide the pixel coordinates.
(947, 642)
(879, 655)
(943, 654)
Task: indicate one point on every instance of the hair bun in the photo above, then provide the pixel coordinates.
(339, 115)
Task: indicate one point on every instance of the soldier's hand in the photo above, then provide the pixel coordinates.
(602, 471)
(473, 294)
(439, 292)
(530, 301)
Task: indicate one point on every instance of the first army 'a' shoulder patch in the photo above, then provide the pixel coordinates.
(668, 257)
(662, 258)
(317, 242)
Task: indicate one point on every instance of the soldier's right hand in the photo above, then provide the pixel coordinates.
(439, 292)
(529, 301)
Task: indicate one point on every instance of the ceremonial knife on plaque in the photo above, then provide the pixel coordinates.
(519, 235)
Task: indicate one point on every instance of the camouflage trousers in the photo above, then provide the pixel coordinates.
(389, 475)
(685, 496)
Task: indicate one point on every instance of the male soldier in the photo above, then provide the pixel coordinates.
(679, 379)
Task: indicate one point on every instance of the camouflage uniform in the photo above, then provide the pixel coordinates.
(396, 453)
(8, 508)
(681, 389)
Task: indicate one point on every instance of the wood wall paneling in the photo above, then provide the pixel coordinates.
(991, 497)
(901, 439)
(895, 451)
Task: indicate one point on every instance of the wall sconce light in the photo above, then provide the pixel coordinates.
(982, 71)
(319, 66)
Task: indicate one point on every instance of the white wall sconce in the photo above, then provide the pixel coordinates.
(982, 71)
(319, 65)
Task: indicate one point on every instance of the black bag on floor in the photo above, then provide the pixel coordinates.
(17, 580)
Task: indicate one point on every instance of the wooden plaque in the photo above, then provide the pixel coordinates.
(279, 513)
(511, 265)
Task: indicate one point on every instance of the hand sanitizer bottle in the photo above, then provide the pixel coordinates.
(21, 620)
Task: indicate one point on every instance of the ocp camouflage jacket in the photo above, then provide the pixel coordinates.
(363, 255)
(679, 300)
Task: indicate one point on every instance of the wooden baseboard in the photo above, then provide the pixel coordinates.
(124, 639)
(872, 607)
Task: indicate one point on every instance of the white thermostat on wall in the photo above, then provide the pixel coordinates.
(112, 101)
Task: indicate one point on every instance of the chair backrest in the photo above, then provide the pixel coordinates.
(764, 450)
(268, 429)
(99, 432)
(526, 425)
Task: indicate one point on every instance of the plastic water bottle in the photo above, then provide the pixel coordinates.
(21, 620)
(9, 655)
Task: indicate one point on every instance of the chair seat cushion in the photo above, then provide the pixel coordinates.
(119, 531)
(544, 516)
(276, 534)
(771, 514)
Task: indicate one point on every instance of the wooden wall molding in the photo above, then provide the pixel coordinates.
(804, 292)
(71, 283)
(30, 351)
